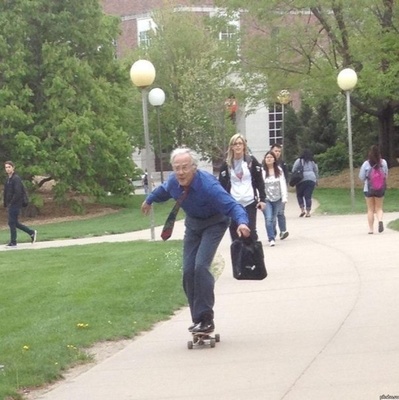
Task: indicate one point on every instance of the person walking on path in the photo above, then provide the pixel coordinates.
(304, 189)
(375, 165)
(281, 220)
(241, 176)
(276, 194)
(14, 193)
(208, 209)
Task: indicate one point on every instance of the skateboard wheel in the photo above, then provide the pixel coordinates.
(217, 338)
(190, 344)
(213, 343)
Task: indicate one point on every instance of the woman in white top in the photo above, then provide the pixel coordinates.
(375, 200)
(276, 194)
(241, 176)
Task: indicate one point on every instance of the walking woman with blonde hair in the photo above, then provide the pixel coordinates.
(241, 176)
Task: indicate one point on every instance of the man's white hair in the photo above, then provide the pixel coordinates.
(185, 150)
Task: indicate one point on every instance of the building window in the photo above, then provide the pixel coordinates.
(144, 28)
(144, 38)
(228, 34)
(275, 124)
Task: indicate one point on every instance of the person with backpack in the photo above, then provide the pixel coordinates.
(374, 173)
(241, 176)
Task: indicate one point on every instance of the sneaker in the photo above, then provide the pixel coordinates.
(33, 237)
(11, 245)
(204, 327)
(380, 227)
(192, 326)
(272, 243)
(284, 235)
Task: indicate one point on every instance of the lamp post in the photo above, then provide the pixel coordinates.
(284, 97)
(142, 74)
(156, 98)
(347, 80)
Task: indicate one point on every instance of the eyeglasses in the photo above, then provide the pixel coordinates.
(238, 144)
(182, 168)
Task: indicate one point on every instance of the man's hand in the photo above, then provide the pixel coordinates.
(243, 231)
(145, 208)
(261, 205)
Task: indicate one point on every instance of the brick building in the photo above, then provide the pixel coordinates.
(262, 128)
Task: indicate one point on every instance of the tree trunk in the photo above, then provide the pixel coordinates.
(388, 140)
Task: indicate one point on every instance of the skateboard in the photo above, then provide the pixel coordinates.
(202, 339)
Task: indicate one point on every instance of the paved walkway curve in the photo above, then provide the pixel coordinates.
(323, 325)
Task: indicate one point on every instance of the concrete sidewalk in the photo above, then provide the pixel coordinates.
(322, 325)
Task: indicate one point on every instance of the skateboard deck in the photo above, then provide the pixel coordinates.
(203, 339)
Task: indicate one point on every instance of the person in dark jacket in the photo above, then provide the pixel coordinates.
(14, 193)
(241, 176)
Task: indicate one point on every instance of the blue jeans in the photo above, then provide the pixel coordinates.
(201, 240)
(281, 221)
(14, 224)
(270, 212)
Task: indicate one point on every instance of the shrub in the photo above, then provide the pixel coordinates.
(334, 160)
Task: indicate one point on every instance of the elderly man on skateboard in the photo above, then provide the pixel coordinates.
(208, 209)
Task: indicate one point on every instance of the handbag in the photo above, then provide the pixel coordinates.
(248, 260)
(297, 175)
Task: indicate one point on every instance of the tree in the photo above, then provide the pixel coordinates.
(64, 106)
(194, 69)
(303, 45)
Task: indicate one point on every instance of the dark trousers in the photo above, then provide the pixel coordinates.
(14, 224)
(251, 211)
(304, 192)
(201, 240)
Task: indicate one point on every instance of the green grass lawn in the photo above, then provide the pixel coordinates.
(128, 219)
(57, 302)
(338, 201)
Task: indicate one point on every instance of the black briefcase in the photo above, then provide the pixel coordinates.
(248, 260)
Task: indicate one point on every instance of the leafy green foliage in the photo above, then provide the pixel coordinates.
(194, 70)
(302, 46)
(334, 160)
(64, 105)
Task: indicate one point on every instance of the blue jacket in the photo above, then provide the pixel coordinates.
(206, 198)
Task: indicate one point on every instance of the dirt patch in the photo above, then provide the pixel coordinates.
(342, 180)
